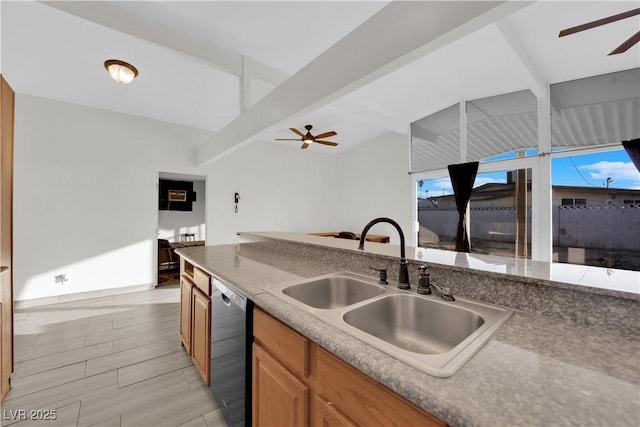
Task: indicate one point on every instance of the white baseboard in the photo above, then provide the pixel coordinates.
(81, 295)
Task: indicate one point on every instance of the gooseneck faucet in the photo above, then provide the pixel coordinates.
(403, 275)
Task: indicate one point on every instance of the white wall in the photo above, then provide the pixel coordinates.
(0, 37)
(374, 182)
(85, 198)
(280, 188)
(171, 224)
(304, 191)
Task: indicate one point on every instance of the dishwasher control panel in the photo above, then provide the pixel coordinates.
(228, 294)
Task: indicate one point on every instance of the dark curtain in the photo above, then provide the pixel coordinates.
(462, 177)
(633, 150)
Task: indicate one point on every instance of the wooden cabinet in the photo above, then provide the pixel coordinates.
(330, 416)
(195, 316)
(201, 333)
(297, 383)
(366, 401)
(186, 296)
(279, 397)
(280, 374)
(289, 347)
(6, 236)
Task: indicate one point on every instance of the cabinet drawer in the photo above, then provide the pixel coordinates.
(202, 280)
(365, 401)
(285, 344)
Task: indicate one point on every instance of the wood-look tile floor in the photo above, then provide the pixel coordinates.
(109, 361)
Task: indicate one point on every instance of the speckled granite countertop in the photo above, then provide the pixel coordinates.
(535, 371)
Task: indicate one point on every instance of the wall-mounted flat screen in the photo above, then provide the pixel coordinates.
(176, 195)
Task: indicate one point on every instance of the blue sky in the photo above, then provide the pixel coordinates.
(591, 170)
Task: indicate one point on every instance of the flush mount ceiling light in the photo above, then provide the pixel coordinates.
(121, 71)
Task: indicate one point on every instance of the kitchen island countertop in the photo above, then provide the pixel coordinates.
(535, 371)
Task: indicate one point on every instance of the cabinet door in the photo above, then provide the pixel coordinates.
(186, 295)
(3, 392)
(330, 416)
(201, 333)
(279, 398)
(7, 97)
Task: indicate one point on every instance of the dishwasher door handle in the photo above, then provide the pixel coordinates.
(225, 299)
(229, 296)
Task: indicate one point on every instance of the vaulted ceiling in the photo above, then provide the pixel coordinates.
(209, 64)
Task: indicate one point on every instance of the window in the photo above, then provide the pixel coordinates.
(437, 214)
(595, 111)
(604, 232)
(599, 111)
(502, 127)
(573, 202)
(594, 217)
(435, 140)
(498, 222)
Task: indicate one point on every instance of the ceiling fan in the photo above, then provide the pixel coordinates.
(609, 19)
(308, 139)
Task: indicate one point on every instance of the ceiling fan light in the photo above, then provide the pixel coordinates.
(120, 71)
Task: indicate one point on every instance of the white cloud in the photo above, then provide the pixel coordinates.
(618, 171)
(487, 180)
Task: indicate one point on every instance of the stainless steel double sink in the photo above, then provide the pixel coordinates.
(430, 334)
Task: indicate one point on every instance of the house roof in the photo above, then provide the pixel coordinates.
(496, 190)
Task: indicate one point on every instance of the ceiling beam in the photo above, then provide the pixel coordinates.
(398, 34)
(536, 82)
(108, 15)
(244, 67)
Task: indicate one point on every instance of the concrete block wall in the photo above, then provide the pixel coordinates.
(606, 227)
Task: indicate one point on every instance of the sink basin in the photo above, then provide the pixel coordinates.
(334, 291)
(415, 324)
(435, 336)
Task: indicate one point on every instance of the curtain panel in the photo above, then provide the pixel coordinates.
(632, 148)
(462, 176)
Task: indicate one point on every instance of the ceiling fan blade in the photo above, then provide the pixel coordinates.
(626, 45)
(332, 144)
(599, 22)
(304, 145)
(296, 131)
(326, 135)
(285, 139)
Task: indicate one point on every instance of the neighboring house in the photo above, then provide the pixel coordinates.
(499, 195)
(576, 196)
(583, 217)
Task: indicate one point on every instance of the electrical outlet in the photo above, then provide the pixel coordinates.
(61, 278)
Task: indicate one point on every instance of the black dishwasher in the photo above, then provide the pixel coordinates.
(231, 341)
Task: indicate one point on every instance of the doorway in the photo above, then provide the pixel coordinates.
(181, 221)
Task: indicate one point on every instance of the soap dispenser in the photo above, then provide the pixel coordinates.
(424, 287)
